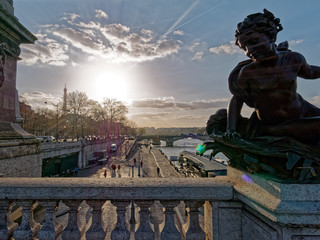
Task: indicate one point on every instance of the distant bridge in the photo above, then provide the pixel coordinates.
(171, 139)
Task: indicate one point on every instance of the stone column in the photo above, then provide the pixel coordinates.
(120, 232)
(7, 226)
(18, 149)
(96, 231)
(48, 231)
(24, 230)
(144, 231)
(195, 232)
(72, 232)
(12, 34)
(170, 231)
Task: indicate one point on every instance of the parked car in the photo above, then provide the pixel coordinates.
(102, 160)
(113, 147)
(46, 138)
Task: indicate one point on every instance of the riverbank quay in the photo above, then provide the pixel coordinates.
(132, 160)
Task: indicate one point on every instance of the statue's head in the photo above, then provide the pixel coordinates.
(259, 22)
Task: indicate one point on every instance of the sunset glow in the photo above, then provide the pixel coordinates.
(110, 85)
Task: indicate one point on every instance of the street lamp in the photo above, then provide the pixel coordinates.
(57, 119)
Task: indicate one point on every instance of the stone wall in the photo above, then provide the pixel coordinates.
(20, 158)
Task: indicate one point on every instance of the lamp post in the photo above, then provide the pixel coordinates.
(57, 119)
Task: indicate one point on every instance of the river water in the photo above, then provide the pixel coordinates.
(183, 145)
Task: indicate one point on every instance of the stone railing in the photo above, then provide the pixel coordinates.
(80, 208)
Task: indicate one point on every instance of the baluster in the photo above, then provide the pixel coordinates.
(24, 231)
(120, 232)
(72, 232)
(6, 226)
(144, 231)
(35, 226)
(170, 231)
(48, 231)
(96, 231)
(194, 232)
(12, 226)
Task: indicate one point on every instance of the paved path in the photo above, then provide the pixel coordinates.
(129, 167)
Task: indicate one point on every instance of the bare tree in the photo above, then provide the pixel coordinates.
(79, 111)
(111, 113)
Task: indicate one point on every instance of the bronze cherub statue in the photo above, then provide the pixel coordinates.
(282, 136)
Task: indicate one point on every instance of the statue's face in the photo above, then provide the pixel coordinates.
(256, 45)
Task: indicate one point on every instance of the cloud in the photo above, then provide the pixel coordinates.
(60, 44)
(228, 48)
(194, 47)
(315, 100)
(165, 102)
(178, 32)
(45, 51)
(198, 56)
(170, 103)
(197, 49)
(37, 99)
(71, 16)
(167, 119)
(295, 42)
(101, 14)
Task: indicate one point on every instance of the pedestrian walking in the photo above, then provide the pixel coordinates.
(76, 171)
(105, 173)
(119, 168)
(158, 171)
(141, 163)
(135, 161)
(113, 167)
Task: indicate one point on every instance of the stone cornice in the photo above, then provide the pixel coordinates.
(14, 29)
(219, 188)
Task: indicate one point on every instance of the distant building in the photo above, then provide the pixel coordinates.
(64, 106)
(25, 110)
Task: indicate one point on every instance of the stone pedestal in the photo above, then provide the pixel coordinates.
(273, 210)
(15, 144)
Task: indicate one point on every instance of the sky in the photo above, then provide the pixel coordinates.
(167, 60)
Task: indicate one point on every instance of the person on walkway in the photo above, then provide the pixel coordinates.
(105, 173)
(135, 161)
(158, 171)
(76, 170)
(113, 167)
(141, 163)
(119, 168)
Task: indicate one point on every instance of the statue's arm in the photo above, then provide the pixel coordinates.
(307, 71)
(234, 111)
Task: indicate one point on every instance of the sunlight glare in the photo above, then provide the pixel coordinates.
(111, 85)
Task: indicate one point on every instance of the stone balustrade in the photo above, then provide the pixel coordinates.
(25, 194)
(234, 207)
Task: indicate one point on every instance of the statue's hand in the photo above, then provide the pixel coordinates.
(231, 135)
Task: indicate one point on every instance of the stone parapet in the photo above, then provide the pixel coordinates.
(286, 204)
(116, 189)
(47, 192)
(217, 208)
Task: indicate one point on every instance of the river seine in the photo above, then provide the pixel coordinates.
(183, 145)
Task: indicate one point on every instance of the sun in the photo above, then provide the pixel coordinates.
(109, 84)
